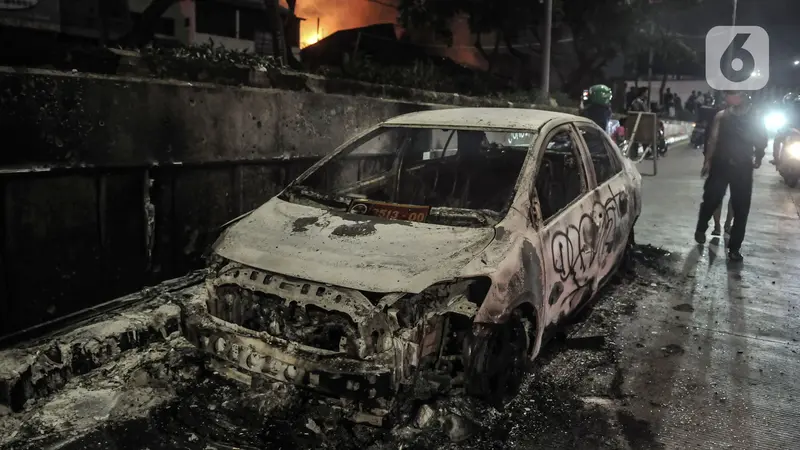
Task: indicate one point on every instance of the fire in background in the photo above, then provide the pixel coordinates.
(325, 17)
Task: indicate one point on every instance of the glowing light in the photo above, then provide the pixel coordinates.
(310, 39)
(793, 150)
(310, 34)
(774, 121)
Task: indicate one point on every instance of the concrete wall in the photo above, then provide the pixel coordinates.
(111, 183)
(80, 152)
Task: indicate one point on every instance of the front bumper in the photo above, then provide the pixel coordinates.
(260, 325)
(250, 353)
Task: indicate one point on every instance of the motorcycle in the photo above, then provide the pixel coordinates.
(788, 164)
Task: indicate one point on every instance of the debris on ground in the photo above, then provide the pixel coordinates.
(163, 397)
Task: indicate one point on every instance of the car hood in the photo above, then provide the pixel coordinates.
(351, 251)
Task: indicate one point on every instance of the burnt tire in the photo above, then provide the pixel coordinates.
(628, 262)
(496, 362)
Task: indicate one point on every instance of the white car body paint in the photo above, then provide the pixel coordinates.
(550, 266)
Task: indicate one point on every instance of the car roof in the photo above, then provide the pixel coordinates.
(500, 118)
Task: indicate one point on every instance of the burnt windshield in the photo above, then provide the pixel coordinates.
(458, 177)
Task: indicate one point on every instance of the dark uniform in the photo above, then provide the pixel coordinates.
(599, 114)
(740, 137)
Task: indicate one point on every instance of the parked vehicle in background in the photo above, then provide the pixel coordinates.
(441, 247)
(789, 163)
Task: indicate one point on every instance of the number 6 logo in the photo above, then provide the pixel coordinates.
(737, 58)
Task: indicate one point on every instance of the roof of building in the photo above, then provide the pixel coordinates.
(501, 118)
(255, 4)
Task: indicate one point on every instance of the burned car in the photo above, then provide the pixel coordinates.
(437, 249)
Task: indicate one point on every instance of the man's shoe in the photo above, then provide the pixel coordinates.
(700, 237)
(735, 256)
(716, 231)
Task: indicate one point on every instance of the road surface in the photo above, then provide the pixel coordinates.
(689, 352)
(733, 382)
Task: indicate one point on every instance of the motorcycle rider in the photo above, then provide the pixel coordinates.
(735, 148)
(791, 104)
(599, 105)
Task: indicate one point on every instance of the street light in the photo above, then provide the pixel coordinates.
(544, 89)
(797, 62)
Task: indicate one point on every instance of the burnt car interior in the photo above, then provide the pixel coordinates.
(605, 164)
(460, 169)
(560, 179)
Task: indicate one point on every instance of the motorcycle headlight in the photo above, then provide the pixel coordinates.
(793, 150)
(774, 121)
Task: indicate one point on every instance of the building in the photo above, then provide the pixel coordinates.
(233, 24)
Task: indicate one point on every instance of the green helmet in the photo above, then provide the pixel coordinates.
(600, 94)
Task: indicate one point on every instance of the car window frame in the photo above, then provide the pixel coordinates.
(612, 151)
(586, 187)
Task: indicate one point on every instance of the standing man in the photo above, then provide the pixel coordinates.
(691, 102)
(640, 102)
(735, 148)
(667, 100)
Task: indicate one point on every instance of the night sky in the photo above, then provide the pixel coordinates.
(781, 19)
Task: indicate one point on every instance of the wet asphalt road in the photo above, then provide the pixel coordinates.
(688, 352)
(733, 382)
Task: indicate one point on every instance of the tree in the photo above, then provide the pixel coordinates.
(506, 19)
(657, 32)
(598, 30)
(601, 30)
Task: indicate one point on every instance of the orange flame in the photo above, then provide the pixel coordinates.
(309, 37)
(340, 15)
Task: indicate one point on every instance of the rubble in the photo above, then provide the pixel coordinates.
(160, 397)
(42, 367)
(457, 428)
(125, 389)
(425, 415)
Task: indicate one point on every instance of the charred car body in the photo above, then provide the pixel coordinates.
(438, 249)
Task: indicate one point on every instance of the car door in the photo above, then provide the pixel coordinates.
(567, 228)
(611, 198)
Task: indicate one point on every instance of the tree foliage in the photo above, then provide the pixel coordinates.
(600, 30)
(507, 18)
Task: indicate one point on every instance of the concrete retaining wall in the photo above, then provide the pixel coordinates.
(111, 183)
